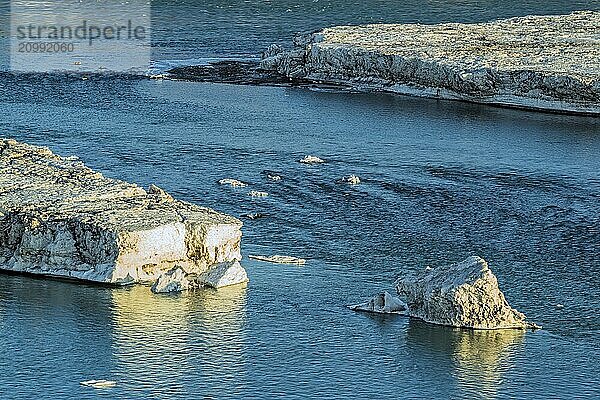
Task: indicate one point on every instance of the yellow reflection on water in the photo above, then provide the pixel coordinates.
(160, 340)
(479, 358)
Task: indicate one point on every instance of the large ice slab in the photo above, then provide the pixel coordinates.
(535, 62)
(60, 218)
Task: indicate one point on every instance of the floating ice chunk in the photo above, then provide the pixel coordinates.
(383, 303)
(172, 281)
(232, 182)
(279, 259)
(255, 193)
(99, 383)
(311, 160)
(254, 215)
(464, 295)
(275, 178)
(224, 274)
(217, 276)
(352, 179)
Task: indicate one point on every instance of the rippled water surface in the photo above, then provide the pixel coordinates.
(441, 181)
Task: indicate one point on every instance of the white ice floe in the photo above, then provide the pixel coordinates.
(311, 160)
(256, 193)
(275, 178)
(98, 383)
(352, 179)
(277, 259)
(232, 182)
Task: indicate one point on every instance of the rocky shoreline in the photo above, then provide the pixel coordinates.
(59, 218)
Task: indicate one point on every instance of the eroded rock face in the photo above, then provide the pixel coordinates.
(462, 295)
(60, 218)
(537, 62)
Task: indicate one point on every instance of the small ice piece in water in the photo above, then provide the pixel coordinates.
(275, 178)
(254, 215)
(255, 193)
(383, 303)
(279, 259)
(312, 160)
(232, 182)
(98, 383)
(560, 305)
(352, 179)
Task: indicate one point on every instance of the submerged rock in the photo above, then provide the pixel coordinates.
(535, 62)
(463, 295)
(383, 303)
(60, 218)
(311, 160)
(277, 259)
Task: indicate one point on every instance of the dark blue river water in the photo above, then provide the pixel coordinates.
(441, 181)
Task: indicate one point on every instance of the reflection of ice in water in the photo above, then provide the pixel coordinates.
(479, 359)
(160, 341)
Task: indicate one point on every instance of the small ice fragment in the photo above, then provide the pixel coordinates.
(255, 193)
(279, 259)
(352, 179)
(98, 384)
(311, 160)
(232, 182)
(383, 303)
(254, 215)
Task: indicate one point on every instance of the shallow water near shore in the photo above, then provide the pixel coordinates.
(440, 181)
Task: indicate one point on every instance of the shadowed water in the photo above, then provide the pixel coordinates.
(440, 181)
